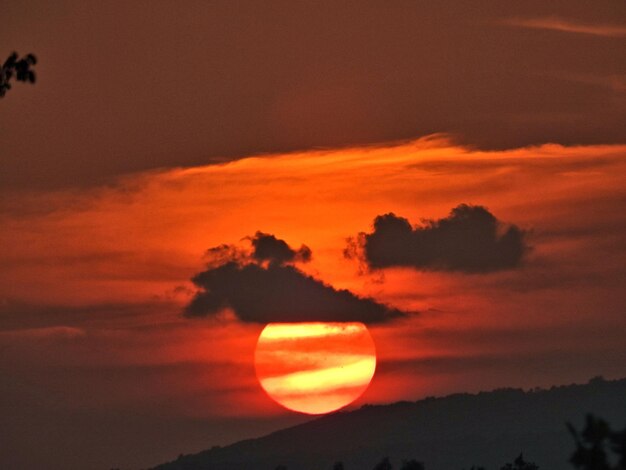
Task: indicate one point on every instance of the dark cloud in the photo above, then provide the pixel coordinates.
(275, 251)
(279, 294)
(469, 240)
(261, 288)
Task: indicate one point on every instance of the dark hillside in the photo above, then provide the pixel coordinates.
(448, 433)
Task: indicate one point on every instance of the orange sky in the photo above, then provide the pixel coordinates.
(158, 130)
(131, 248)
(93, 281)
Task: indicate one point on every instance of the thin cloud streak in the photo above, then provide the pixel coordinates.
(317, 79)
(569, 26)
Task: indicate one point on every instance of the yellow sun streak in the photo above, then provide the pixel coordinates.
(319, 381)
(320, 404)
(281, 331)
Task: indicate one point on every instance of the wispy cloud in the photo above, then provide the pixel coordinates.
(54, 332)
(569, 26)
(614, 82)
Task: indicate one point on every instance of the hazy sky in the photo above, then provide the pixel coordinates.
(132, 85)
(118, 173)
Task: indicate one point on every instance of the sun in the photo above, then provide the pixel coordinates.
(315, 368)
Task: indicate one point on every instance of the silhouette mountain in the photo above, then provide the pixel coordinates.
(448, 433)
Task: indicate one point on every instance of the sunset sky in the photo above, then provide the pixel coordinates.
(183, 173)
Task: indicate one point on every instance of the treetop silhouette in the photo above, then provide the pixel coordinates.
(595, 443)
(20, 68)
(520, 464)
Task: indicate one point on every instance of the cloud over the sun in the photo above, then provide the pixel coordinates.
(276, 251)
(264, 286)
(469, 240)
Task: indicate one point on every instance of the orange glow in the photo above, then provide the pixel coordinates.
(315, 368)
(114, 263)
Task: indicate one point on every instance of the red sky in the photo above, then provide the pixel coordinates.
(156, 132)
(94, 281)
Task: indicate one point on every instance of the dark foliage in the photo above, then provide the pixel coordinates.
(412, 465)
(595, 444)
(520, 464)
(18, 68)
(384, 464)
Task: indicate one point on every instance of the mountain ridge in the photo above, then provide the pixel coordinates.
(446, 433)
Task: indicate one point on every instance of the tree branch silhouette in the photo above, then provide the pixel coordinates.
(18, 68)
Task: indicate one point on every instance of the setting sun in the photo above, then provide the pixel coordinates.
(312, 235)
(315, 368)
